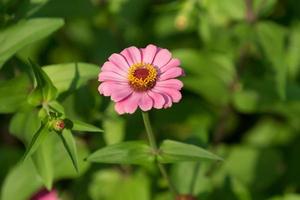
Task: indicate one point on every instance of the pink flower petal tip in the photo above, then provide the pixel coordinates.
(142, 78)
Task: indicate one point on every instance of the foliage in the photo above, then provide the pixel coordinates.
(241, 100)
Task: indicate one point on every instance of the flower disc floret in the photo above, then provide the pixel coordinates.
(142, 77)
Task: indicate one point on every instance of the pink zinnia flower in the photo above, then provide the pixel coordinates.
(143, 78)
(46, 195)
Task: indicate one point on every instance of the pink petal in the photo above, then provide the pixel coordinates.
(174, 62)
(119, 61)
(103, 88)
(149, 53)
(129, 104)
(132, 55)
(173, 93)
(158, 99)
(121, 92)
(145, 102)
(171, 73)
(119, 107)
(107, 88)
(50, 196)
(109, 66)
(167, 98)
(45, 195)
(162, 57)
(111, 76)
(170, 83)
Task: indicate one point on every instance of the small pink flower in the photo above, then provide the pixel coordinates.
(143, 78)
(46, 195)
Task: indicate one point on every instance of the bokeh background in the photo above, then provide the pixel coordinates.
(241, 96)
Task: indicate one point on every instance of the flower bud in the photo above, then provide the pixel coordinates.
(181, 22)
(58, 125)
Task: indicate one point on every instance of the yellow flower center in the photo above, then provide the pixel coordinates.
(142, 76)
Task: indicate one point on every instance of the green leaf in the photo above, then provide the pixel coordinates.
(43, 162)
(264, 8)
(293, 57)
(82, 126)
(197, 174)
(221, 12)
(271, 33)
(57, 107)
(114, 130)
(268, 132)
(51, 154)
(114, 126)
(216, 77)
(246, 101)
(17, 36)
(251, 165)
(70, 146)
(37, 139)
(23, 125)
(70, 76)
(133, 152)
(116, 185)
(289, 196)
(14, 93)
(173, 151)
(44, 90)
(28, 182)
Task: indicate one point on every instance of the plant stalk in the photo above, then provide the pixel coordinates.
(153, 145)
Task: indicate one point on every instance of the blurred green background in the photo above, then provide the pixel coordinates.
(241, 96)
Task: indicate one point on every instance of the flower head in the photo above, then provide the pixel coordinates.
(144, 78)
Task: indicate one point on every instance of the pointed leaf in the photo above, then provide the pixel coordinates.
(23, 126)
(272, 33)
(57, 107)
(36, 140)
(71, 76)
(133, 152)
(22, 178)
(14, 93)
(173, 151)
(43, 162)
(17, 36)
(70, 146)
(35, 98)
(82, 126)
(44, 90)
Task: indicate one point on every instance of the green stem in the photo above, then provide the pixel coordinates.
(194, 179)
(153, 145)
(46, 107)
(149, 130)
